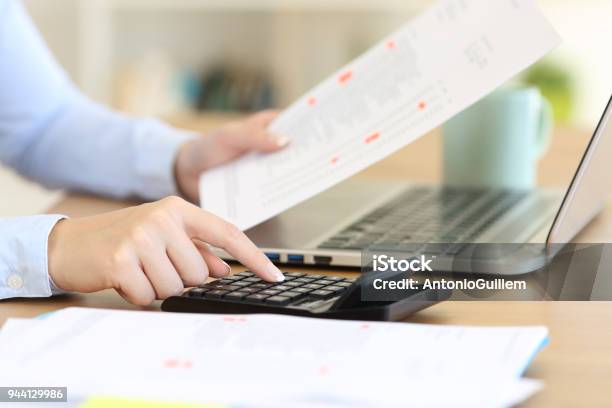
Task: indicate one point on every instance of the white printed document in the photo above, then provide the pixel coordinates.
(414, 80)
(250, 359)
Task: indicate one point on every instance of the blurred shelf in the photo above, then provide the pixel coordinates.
(202, 121)
(99, 34)
(270, 5)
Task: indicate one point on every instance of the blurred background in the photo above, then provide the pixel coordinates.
(180, 58)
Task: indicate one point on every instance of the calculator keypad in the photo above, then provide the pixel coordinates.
(247, 287)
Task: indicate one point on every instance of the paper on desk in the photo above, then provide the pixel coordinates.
(352, 392)
(13, 330)
(197, 355)
(411, 82)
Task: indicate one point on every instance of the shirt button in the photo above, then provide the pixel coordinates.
(15, 282)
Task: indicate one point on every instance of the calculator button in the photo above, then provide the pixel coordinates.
(335, 278)
(249, 290)
(197, 292)
(231, 278)
(295, 274)
(208, 286)
(291, 284)
(293, 295)
(236, 295)
(245, 274)
(211, 285)
(241, 283)
(305, 280)
(335, 289)
(313, 286)
(321, 293)
(253, 279)
(282, 287)
(257, 297)
(270, 292)
(301, 290)
(278, 300)
(343, 284)
(324, 282)
(227, 287)
(216, 293)
(262, 285)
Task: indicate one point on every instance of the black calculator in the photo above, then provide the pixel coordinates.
(299, 294)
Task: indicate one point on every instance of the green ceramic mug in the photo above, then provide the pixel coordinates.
(497, 142)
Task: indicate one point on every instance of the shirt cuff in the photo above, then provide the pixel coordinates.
(24, 266)
(55, 291)
(157, 145)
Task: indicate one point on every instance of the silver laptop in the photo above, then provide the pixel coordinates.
(333, 228)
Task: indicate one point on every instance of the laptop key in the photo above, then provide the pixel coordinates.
(241, 283)
(295, 274)
(455, 249)
(354, 247)
(313, 286)
(435, 248)
(332, 244)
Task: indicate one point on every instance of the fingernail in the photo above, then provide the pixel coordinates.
(275, 273)
(228, 269)
(281, 141)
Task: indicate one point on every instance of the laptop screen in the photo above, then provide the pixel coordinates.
(589, 189)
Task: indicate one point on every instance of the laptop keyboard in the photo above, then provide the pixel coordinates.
(422, 215)
(297, 287)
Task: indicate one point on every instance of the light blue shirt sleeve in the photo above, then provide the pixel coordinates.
(51, 133)
(23, 256)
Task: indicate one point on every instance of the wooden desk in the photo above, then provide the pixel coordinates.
(576, 366)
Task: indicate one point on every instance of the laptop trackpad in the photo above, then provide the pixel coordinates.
(307, 223)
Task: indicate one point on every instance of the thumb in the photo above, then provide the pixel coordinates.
(260, 140)
(265, 141)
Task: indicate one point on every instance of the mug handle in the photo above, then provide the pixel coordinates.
(544, 128)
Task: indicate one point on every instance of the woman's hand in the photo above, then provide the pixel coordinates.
(148, 252)
(221, 146)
